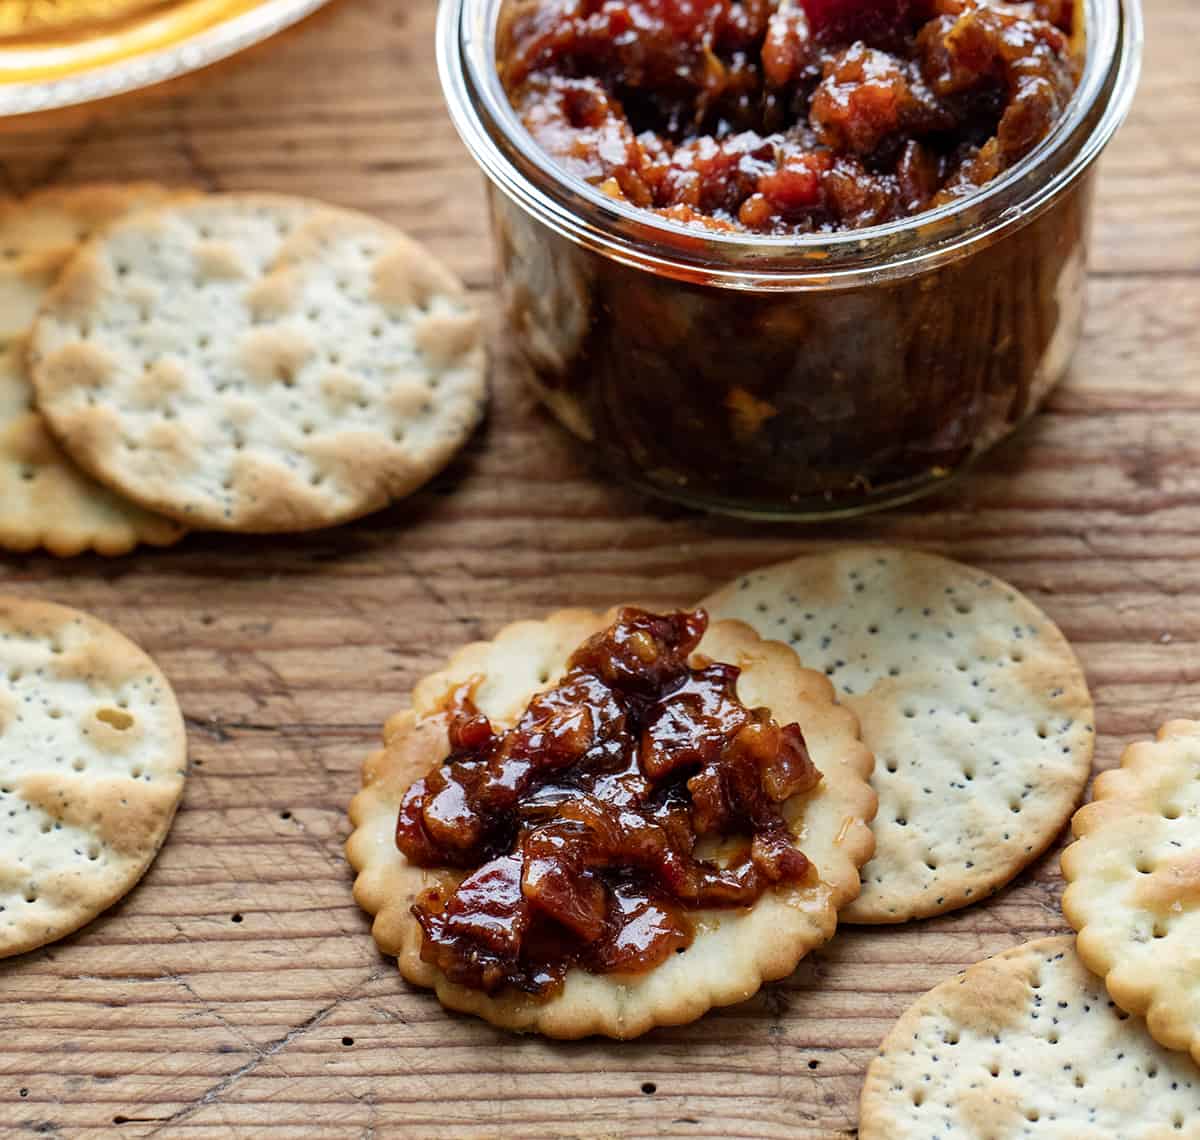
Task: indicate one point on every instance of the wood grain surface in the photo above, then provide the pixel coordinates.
(237, 990)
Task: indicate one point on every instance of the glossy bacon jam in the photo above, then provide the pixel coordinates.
(788, 116)
(578, 827)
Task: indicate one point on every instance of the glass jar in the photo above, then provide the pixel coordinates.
(790, 377)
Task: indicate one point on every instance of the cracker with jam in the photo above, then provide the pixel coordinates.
(596, 824)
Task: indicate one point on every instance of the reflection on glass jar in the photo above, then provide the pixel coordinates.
(790, 376)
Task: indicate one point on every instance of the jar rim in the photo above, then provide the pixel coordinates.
(578, 211)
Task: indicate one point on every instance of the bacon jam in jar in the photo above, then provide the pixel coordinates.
(790, 257)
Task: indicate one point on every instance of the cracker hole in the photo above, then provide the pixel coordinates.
(649, 1088)
(1080, 1080)
(79, 764)
(93, 851)
(1043, 731)
(1172, 811)
(918, 1097)
(116, 718)
(892, 766)
(1145, 867)
(347, 1041)
(31, 895)
(236, 918)
(910, 713)
(1160, 930)
(814, 1064)
(1033, 1116)
(285, 815)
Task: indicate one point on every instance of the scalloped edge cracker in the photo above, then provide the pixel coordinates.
(93, 755)
(734, 952)
(1026, 1046)
(1133, 878)
(45, 500)
(970, 697)
(259, 363)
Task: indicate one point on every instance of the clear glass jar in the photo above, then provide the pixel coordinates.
(790, 377)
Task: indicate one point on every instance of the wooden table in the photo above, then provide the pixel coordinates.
(238, 988)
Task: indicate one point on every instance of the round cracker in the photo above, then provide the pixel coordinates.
(734, 951)
(1134, 883)
(259, 363)
(970, 697)
(1026, 1045)
(93, 755)
(45, 499)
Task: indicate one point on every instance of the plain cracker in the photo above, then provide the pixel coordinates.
(1026, 1046)
(92, 761)
(1134, 883)
(734, 952)
(45, 500)
(971, 699)
(259, 363)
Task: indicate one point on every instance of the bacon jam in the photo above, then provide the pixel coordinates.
(788, 116)
(578, 829)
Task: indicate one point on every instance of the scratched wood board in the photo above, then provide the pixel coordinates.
(237, 990)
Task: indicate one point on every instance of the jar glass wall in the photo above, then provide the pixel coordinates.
(790, 376)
